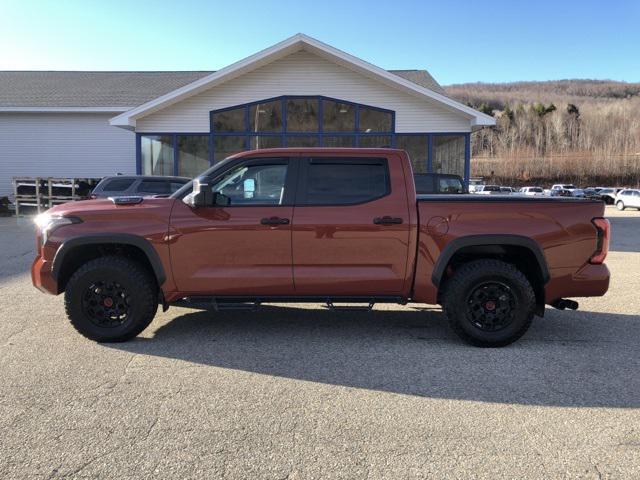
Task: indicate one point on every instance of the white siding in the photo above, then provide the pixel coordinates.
(303, 73)
(62, 145)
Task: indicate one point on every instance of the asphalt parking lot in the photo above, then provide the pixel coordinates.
(301, 392)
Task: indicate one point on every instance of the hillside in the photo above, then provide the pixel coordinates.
(585, 131)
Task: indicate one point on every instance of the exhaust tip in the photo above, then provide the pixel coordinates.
(564, 303)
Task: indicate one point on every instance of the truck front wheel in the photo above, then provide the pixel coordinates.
(111, 299)
(489, 303)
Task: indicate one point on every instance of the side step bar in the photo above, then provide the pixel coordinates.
(350, 308)
(254, 303)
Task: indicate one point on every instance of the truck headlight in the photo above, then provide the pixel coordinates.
(47, 223)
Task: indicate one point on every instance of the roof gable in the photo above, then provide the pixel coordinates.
(291, 45)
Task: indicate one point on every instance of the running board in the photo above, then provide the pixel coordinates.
(247, 303)
(350, 308)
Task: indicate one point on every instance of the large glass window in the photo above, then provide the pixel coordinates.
(302, 115)
(448, 154)
(156, 154)
(265, 117)
(302, 141)
(338, 117)
(226, 145)
(417, 147)
(253, 184)
(339, 141)
(265, 141)
(232, 120)
(193, 155)
(297, 121)
(374, 141)
(336, 182)
(374, 120)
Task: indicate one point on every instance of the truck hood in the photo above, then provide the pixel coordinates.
(148, 219)
(106, 207)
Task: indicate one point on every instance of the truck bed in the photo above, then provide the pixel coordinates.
(561, 228)
(471, 197)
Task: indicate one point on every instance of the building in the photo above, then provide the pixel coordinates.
(299, 92)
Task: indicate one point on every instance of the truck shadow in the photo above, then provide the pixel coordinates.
(571, 359)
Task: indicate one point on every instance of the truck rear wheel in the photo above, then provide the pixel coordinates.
(489, 303)
(111, 299)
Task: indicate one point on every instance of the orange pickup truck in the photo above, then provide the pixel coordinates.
(338, 226)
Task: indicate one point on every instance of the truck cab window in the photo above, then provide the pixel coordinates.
(344, 182)
(253, 184)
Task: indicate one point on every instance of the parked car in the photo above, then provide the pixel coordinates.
(532, 191)
(487, 189)
(592, 192)
(507, 190)
(345, 227)
(438, 183)
(474, 183)
(577, 192)
(123, 185)
(564, 186)
(629, 197)
(558, 192)
(609, 195)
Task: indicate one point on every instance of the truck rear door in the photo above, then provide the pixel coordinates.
(351, 226)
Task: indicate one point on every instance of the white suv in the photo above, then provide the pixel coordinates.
(532, 191)
(628, 198)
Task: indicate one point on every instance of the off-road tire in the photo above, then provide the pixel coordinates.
(620, 205)
(473, 275)
(142, 297)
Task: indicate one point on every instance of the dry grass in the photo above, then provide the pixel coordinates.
(590, 135)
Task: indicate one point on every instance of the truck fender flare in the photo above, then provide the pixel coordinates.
(143, 244)
(482, 240)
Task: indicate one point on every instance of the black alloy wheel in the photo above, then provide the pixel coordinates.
(491, 306)
(106, 304)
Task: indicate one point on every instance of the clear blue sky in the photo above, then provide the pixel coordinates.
(458, 41)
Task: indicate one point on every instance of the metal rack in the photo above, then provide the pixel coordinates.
(43, 193)
(33, 195)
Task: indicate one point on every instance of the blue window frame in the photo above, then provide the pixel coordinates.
(263, 124)
(233, 115)
(327, 140)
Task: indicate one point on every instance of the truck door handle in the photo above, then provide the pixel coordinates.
(274, 221)
(386, 220)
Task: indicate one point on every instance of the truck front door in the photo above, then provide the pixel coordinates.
(350, 227)
(243, 248)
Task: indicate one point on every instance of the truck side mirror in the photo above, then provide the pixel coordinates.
(202, 196)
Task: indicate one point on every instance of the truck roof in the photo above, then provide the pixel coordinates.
(355, 152)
